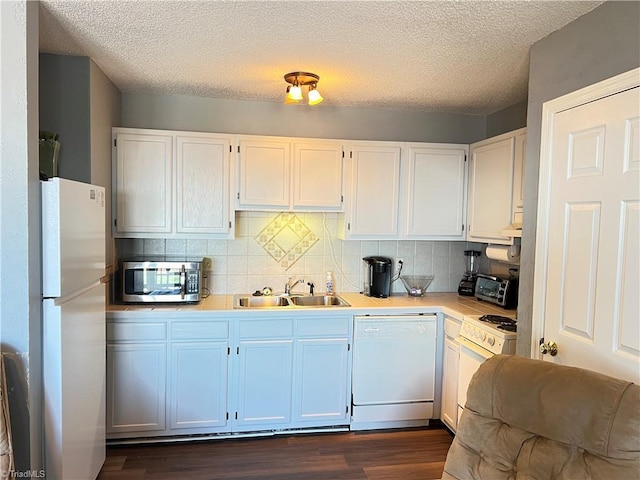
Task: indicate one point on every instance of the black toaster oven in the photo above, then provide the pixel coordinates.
(501, 291)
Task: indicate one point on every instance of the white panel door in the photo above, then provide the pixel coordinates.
(202, 180)
(136, 386)
(593, 259)
(265, 167)
(198, 387)
(317, 176)
(321, 381)
(450, 361)
(374, 192)
(265, 383)
(490, 191)
(144, 183)
(435, 192)
(518, 177)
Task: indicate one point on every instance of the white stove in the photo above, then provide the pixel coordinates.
(481, 337)
(490, 332)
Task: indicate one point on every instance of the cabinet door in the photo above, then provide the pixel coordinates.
(435, 192)
(144, 183)
(450, 383)
(198, 381)
(320, 395)
(490, 191)
(317, 176)
(202, 184)
(265, 167)
(136, 387)
(518, 177)
(265, 384)
(374, 192)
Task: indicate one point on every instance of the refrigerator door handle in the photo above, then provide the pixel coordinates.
(183, 282)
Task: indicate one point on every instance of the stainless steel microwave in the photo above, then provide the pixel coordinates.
(501, 291)
(161, 281)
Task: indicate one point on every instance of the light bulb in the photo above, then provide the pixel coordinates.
(314, 95)
(296, 92)
(288, 99)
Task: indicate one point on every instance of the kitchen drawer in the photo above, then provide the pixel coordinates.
(323, 326)
(136, 332)
(199, 330)
(277, 328)
(451, 327)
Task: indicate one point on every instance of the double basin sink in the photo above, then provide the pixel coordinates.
(292, 301)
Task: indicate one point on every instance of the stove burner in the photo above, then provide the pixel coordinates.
(510, 327)
(497, 320)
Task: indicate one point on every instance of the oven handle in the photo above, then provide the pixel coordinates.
(183, 282)
(486, 354)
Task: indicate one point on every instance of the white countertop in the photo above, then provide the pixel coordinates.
(449, 303)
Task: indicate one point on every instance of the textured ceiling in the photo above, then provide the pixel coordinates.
(451, 56)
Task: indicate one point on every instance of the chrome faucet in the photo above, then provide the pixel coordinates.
(288, 286)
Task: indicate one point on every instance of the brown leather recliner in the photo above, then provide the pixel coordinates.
(537, 420)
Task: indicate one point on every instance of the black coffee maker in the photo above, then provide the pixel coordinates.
(377, 276)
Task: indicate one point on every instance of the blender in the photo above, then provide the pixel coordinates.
(467, 286)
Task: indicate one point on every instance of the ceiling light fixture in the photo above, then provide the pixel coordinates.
(299, 79)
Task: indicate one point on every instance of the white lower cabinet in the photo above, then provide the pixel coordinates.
(198, 385)
(450, 360)
(136, 385)
(189, 376)
(264, 384)
(292, 373)
(166, 377)
(321, 372)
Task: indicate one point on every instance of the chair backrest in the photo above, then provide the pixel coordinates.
(538, 420)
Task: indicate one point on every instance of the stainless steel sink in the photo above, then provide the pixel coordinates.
(297, 301)
(319, 301)
(260, 302)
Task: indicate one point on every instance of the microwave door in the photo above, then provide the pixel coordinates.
(154, 282)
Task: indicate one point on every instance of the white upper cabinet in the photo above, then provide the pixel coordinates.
(373, 193)
(491, 188)
(289, 174)
(202, 184)
(265, 169)
(518, 177)
(144, 182)
(434, 191)
(171, 184)
(317, 176)
(410, 191)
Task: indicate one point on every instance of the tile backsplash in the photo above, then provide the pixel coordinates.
(269, 248)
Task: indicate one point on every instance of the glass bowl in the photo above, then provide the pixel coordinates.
(416, 285)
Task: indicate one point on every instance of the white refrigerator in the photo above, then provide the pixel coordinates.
(73, 262)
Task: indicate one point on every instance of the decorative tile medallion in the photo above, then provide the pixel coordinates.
(286, 239)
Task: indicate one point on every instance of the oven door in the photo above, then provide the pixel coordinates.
(471, 357)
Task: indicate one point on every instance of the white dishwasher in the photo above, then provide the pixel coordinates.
(393, 380)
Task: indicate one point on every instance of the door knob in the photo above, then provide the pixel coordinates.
(550, 347)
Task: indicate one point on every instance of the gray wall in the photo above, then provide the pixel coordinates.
(78, 101)
(323, 121)
(20, 311)
(599, 45)
(64, 88)
(507, 119)
(104, 113)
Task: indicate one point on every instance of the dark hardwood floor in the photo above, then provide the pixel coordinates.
(409, 454)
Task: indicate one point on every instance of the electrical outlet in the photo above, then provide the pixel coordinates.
(207, 264)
